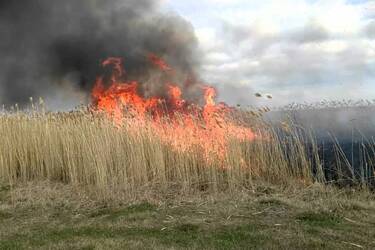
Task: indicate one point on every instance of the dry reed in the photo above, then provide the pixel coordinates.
(84, 149)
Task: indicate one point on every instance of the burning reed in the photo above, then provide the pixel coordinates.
(85, 149)
(176, 121)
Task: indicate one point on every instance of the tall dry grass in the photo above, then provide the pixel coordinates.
(83, 149)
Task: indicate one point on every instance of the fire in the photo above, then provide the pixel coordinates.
(159, 62)
(183, 125)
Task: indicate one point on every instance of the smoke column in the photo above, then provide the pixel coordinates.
(55, 46)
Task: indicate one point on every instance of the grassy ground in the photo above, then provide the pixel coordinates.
(50, 216)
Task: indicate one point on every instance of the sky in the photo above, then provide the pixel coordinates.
(295, 50)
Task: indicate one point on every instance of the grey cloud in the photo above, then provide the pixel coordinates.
(249, 38)
(255, 43)
(237, 33)
(370, 29)
(234, 94)
(291, 64)
(310, 33)
(297, 66)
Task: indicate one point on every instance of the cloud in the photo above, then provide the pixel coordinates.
(311, 32)
(370, 29)
(298, 50)
(369, 9)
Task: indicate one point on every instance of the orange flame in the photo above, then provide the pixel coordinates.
(187, 126)
(159, 62)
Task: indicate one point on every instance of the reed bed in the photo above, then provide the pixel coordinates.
(87, 150)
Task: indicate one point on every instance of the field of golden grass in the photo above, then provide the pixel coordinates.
(86, 149)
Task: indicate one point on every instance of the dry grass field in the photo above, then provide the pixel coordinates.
(45, 215)
(85, 149)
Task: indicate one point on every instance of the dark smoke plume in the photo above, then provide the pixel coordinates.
(56, 46)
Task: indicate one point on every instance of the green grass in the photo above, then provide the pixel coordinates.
(251, 220)
(321, 219)
(130, 211)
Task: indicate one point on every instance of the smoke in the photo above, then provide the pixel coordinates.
(51, 48)
(345, 124)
